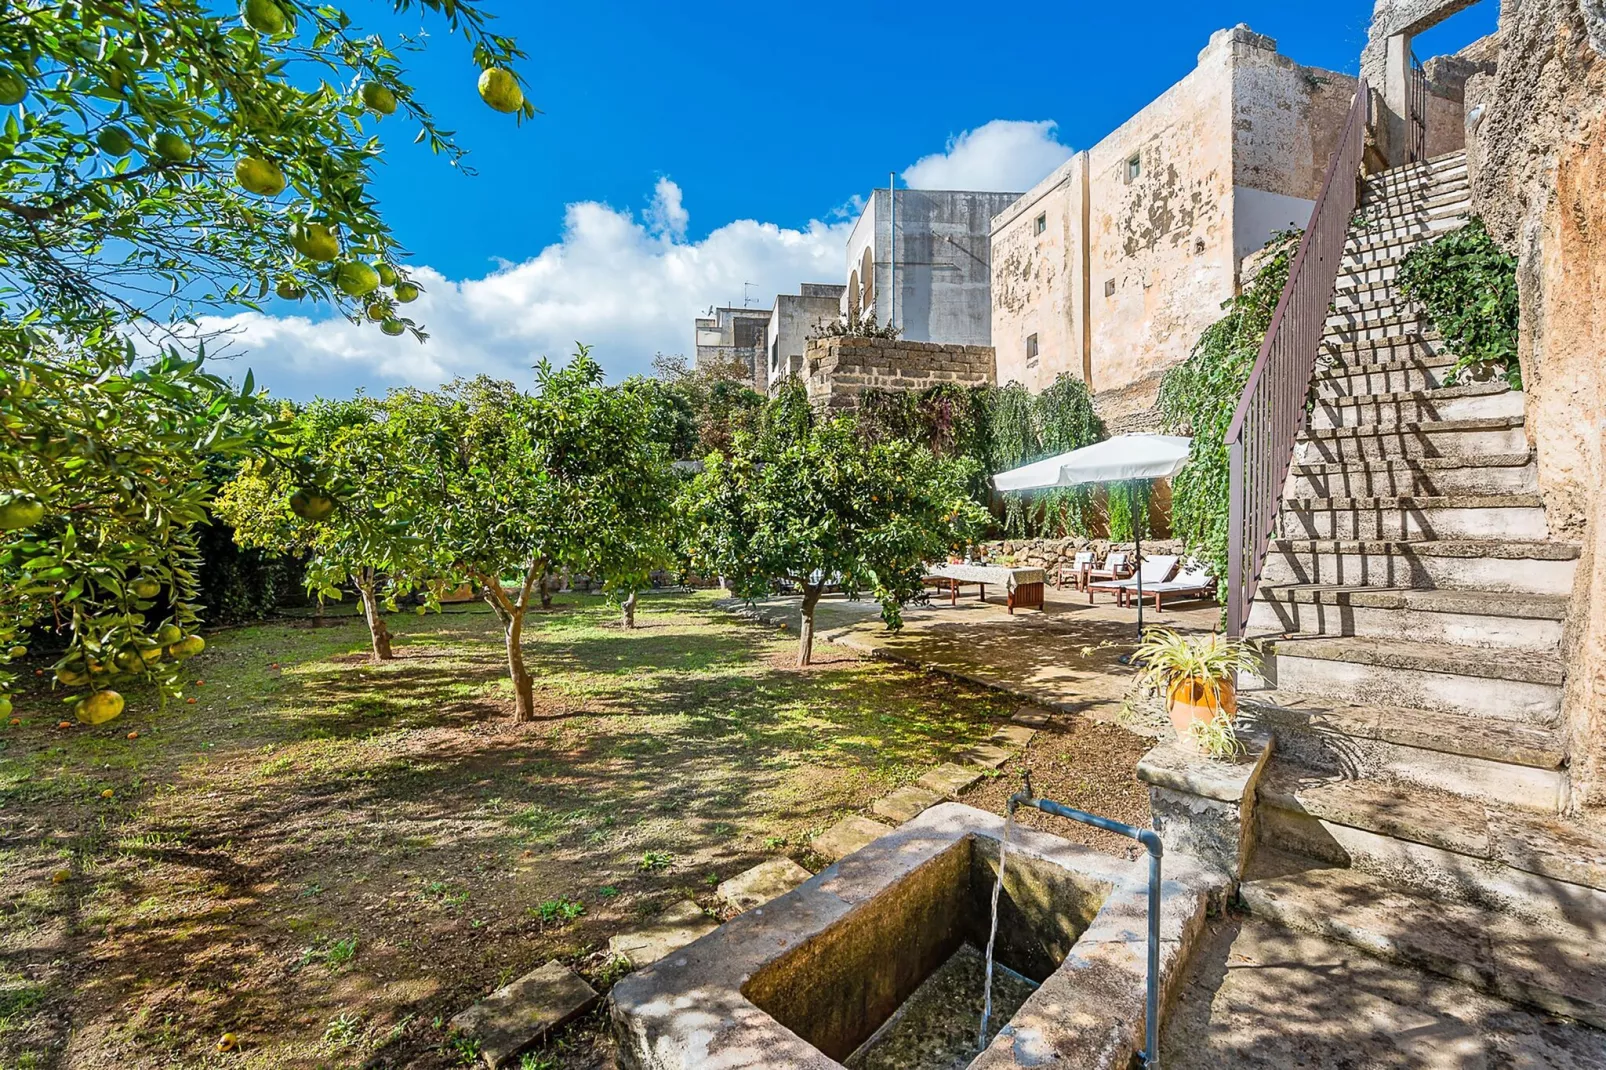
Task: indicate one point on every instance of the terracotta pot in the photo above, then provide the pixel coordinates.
(1192, 701)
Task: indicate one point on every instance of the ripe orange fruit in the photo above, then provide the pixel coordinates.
(133, 735)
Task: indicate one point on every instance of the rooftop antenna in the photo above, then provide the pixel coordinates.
(746, 300)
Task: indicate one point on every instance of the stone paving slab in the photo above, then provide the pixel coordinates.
(1031, 716)
(905, 803)
(949, 780)
(1014, 736)
(847, 836)
(670, 931)
(763, 882)
(986, 754)
(518, 1014)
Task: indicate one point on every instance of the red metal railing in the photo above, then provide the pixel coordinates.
(1271, 412)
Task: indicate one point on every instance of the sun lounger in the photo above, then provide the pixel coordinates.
(1154, 571)
(1076, 570)
(1193, 582)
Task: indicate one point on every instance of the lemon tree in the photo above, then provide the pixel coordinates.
(106, 467)
(517, 484)
(807, 503)
(156, 158)
(353, 520)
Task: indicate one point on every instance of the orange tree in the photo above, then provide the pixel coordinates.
(809, 503)
(353, 522)
(514, 485)
(157, 158)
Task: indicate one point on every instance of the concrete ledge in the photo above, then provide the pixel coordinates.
(691, 1009)
(1204, 807)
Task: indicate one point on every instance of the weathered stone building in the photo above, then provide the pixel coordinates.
(736, 334)
(934, 249)
(1111, 266)
(839, 370)
(792, 319)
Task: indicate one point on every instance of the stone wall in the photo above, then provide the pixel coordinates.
(1050, 554)
(1537, 153)
(839, 370)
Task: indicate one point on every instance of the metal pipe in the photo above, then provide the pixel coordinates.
(892, 247)
(1150, 839)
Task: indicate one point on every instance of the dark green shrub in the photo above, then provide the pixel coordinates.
(1468, 286)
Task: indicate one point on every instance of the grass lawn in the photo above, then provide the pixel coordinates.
(329, 858)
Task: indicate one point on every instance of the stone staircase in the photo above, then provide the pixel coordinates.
(1413, 610)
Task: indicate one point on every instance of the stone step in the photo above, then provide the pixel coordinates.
(1505, 762)
(1438, 195)
(1376, 308)
(1486, 474)
(517, 1015)
(1436, 564)
(765, 881)
(1512, 516)
(1530, 864)
(1438, 438)
(1397, 237)
(1415, 344)
(1361, 296)
(1461, 618)
(1377, 272)
(1395, 243)
(677, 926)
(1554, 964)
(1450, 167)
(848, 835)
(1395, 326)
(1519, 685)
(1423, 370)
(1444, 201)
(1467, 401)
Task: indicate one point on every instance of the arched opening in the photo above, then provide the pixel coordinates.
(853, 295)
(867, 273)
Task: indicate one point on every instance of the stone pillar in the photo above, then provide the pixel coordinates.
(1205, 808)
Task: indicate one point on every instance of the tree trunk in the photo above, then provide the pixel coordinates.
(523, 683)
(805, 628)
(376, 620)
(511, 614)
(630, 610)
(546, 591)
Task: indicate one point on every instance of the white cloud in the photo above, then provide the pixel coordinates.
(628, 287)
(1008, 155)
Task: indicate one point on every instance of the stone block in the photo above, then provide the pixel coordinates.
(517, 1015)
(1013, 736)
(847, 836)
(1031, 716)
(763, 882)
(905, 803)
(949, 780)
(1205, 808)
(986, 755)
(669, 931)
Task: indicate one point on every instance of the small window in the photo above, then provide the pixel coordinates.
(1042, 222)
(1134, 167)
(1109, 287)
(1031, 349)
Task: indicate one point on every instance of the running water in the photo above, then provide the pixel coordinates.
(992, 934)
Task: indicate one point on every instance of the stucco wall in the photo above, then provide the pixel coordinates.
(1537, 159)
(840, 370)
(1128, 273)
(1038, 279)
(792, 319)
(943, 262)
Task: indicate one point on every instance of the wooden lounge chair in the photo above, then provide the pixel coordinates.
(1154, 571)
(1075, 570)
(1116, 567)
(1194, 581)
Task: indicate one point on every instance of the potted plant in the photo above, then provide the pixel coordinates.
(1198, 676)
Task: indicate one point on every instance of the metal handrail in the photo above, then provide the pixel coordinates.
(1271, 410)
(1150, 839)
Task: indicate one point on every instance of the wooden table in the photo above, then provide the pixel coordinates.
(1022, 586)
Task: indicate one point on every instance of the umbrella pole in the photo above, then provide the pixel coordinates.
(1137, 552)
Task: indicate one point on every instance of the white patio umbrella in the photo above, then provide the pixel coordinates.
(1115, 460)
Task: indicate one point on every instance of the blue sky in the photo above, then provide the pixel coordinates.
(688, 148)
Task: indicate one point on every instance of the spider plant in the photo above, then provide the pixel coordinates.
(1169, 659)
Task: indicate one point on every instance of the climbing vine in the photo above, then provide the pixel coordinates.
(1468, 286)
(1198, 398)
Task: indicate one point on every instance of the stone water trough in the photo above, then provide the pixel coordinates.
(876, 962)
